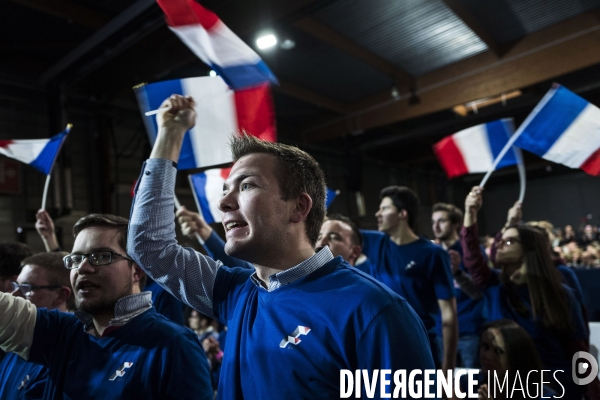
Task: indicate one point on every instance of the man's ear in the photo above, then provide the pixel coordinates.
(356, 250)
(302, 207)
(64, 293)
(403, 214)
(138, 275)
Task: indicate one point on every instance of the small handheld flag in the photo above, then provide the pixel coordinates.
(39, 153)
(207, 188)
(220, 111)
(215, 44)
(474, 149)
(565, 129)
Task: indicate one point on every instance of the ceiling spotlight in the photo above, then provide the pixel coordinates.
(212, 73)
(287, 44)
(264, 42)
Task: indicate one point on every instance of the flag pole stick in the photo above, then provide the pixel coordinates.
(177, 207)
(516, 135)
(46, 186)
(522, 178)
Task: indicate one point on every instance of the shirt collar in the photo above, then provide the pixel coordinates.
(126, 308)
(301, 270)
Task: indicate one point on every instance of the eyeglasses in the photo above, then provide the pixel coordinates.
(26, 288)
(73, 261)
(508, 241)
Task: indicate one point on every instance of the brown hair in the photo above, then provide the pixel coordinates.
(109, 221)
(298, 173)
(58, 275)
(455, 215)
(520, 350)
(548, 298)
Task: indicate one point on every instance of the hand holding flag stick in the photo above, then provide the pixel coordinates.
(196, 234)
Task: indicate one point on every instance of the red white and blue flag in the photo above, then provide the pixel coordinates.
(39, 153)
(474, 149)
(563, 128)
(207, 187)
(220, 111)
(215, 44)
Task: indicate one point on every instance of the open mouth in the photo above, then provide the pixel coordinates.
(234, 225)
(86, 287)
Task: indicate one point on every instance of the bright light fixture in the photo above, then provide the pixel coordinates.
(264, 42)
(212, 73)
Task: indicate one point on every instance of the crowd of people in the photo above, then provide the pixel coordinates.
(290, 299)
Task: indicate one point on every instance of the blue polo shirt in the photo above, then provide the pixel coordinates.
(20, 379)
(149, 357)
(418, 271)
(292, 342)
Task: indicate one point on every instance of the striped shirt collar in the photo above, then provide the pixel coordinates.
(126, 309)
(301, 270)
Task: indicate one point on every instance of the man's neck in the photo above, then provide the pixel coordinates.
(101, 322)
(288, 260)
(449, 242)
(402, 234)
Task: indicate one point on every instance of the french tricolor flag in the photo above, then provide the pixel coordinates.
(220, 111)
(564, 128)
(207, 188)
(39, 153)
(474, 149)
(215, 44)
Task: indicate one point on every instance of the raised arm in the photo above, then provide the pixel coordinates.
(464, 281)
(183, 272)
(192, 223)
(473, 260)
(45, 228)
(17, 323)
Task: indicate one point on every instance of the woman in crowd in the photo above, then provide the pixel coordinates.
(527, 289)
(507, 349)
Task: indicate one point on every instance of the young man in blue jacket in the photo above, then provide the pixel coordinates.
(299, 317)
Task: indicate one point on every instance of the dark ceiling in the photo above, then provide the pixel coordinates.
(377, 77)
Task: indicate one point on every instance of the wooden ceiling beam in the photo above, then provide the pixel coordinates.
(69, 11)
(326, 34)
(468, 19)
(558, 50)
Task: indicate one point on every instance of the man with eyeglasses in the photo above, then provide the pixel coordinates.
(45, 282)
(116, 345)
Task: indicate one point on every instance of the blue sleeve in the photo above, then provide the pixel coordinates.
(185, 273)
(373, 242)
(229, 285)
(186, 369)
(52, 330)
(165, 304)
(215, 246)
(579, 325)
(396, 340)
(440, 274)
